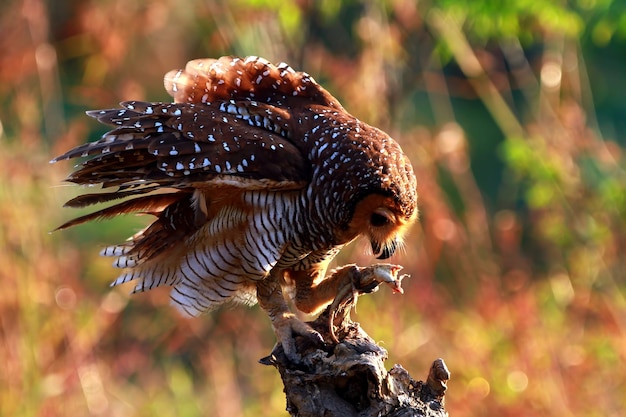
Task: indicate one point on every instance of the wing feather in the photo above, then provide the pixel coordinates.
(147, 204)
(201, 142)
(85, 200)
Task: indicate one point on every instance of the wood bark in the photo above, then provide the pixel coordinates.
(349, 378)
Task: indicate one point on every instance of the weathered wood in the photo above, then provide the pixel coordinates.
(349, 378)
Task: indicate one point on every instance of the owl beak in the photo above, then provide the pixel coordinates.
(385, 251)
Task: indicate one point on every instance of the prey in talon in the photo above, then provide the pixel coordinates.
(362, 280)
(388, 274)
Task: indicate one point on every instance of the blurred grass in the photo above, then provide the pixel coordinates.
(517, 263)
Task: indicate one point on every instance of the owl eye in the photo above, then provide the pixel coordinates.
(378, 220)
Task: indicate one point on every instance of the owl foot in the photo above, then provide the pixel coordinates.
(287, 327)
(342, 287)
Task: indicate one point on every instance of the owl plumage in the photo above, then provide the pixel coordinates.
(257, 177)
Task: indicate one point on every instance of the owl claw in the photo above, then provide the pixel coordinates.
(290, 326)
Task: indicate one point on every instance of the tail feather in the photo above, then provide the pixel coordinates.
(96, 198)
(116, 250)
(177, 219)
(147, 204)
(149, 276)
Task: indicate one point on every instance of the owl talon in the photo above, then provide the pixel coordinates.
(290, 326)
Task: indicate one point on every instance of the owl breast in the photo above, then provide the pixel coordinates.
(245, 236)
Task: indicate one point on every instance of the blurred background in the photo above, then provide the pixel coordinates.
(513, 115)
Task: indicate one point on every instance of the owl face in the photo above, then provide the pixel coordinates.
(382, 222)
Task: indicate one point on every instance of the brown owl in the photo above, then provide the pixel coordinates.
(257, 177)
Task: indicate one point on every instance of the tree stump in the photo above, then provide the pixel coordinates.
(349, 378)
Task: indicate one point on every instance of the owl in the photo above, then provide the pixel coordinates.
(256, 177)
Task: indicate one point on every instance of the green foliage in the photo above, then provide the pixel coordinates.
(500, 19)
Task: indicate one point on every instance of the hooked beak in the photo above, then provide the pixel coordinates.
(385, 251)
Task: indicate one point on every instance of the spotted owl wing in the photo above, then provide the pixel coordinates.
(239, 144)
(229, 125)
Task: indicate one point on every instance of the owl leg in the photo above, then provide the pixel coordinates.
(313, 294)
(286, 325)
(349, 280)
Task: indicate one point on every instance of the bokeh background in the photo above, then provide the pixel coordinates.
(513, 115)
